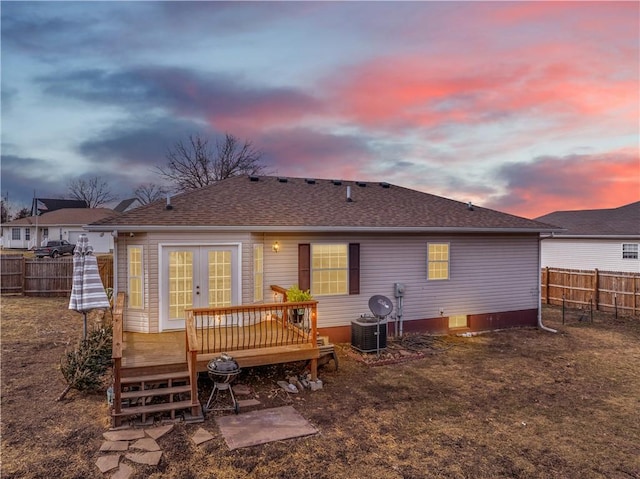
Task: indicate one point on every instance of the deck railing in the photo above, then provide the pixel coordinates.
(249, 327)
(116, 354)
(235, 328)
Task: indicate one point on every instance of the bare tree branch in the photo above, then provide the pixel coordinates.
(150, 192)
(94, 192)
(193, 165)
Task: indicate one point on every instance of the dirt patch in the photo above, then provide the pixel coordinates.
(518, 403)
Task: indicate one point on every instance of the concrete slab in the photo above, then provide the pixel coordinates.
(146, 444)
(106, 463)
(114, 446)
(147, 458)
(124, 472)
(201, 436)
(263, 426)
(123, 435)
(157, 432)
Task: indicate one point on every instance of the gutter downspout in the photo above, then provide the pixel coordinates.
(540, 325)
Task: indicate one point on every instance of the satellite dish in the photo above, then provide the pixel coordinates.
(380, 305)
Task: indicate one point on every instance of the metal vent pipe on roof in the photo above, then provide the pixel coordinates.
(349, 193)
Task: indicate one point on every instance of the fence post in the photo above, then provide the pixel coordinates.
(24, 274)
(596, 289)
(546, 280)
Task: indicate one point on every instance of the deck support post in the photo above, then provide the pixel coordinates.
(116, 355)
(314, 369)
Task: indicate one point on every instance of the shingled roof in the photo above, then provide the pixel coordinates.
(622, 221)
(269, 203)
(65, 216)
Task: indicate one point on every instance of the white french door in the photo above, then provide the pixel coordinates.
(198, 277)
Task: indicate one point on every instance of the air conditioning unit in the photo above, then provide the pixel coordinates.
(364, 334)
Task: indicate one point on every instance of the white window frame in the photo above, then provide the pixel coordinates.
(339, 270)
(258, 272)
(438, 261)
(15, 234)
(630, 251)
(139, 277)
(27, 234)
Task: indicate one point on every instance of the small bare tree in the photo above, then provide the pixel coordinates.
(93, 191)
(194, 164)
(150, 192)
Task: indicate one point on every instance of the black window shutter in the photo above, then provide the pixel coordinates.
(354, 268)
(304, 266)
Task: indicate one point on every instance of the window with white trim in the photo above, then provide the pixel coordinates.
(135, 274)
(437, 261)
(329, 269)
(27, 234)
(630, 251)
(258, 272)
(15, 233)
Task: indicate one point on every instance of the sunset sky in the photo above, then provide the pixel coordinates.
(523, 107)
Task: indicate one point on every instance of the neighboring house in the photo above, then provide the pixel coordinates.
(62, 224)
(605, 239)
(47, 205)
(464, 268)
(126, 205)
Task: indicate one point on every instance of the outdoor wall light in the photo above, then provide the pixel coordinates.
(275, 247)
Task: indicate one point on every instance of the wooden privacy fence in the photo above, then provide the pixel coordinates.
(601, 290)
(46, 276)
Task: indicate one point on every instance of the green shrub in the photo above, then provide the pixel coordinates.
(84, 367)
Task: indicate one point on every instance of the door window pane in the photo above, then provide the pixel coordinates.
(180, 283)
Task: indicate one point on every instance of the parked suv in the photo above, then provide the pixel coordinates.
(55, 248)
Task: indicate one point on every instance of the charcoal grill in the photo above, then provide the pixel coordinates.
(222, 371)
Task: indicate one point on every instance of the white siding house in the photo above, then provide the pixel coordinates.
(605, 239)
(63, 224)
(463, 268)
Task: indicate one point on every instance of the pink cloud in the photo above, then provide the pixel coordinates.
(571, 182)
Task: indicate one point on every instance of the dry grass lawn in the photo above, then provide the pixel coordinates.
(519, 404)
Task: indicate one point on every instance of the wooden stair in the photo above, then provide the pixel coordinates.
(157, 395)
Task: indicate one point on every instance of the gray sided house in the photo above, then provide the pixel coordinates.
(603, 239)
(463, 268)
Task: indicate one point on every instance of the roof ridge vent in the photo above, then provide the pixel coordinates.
(384, 184)
(254, 178)
(282, 179)
(310, 181)
(336, 182)
(361, 184)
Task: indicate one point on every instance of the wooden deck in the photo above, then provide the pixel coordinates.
(151, 367)
(267, 342)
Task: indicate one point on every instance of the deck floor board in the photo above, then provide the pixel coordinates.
(253, 345)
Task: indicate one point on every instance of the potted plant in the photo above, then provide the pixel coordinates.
(294, 295)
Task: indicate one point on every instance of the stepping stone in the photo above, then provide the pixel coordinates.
(147, 458)
(248, 402)
(123, 435)
(201, 436)
(146, 444)
(241, 389)
(106, 463)
(123, 472)
(114, 446)
(157, 432)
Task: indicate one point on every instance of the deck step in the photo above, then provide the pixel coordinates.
(156, 392)
(154, 408)
(156, 377)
